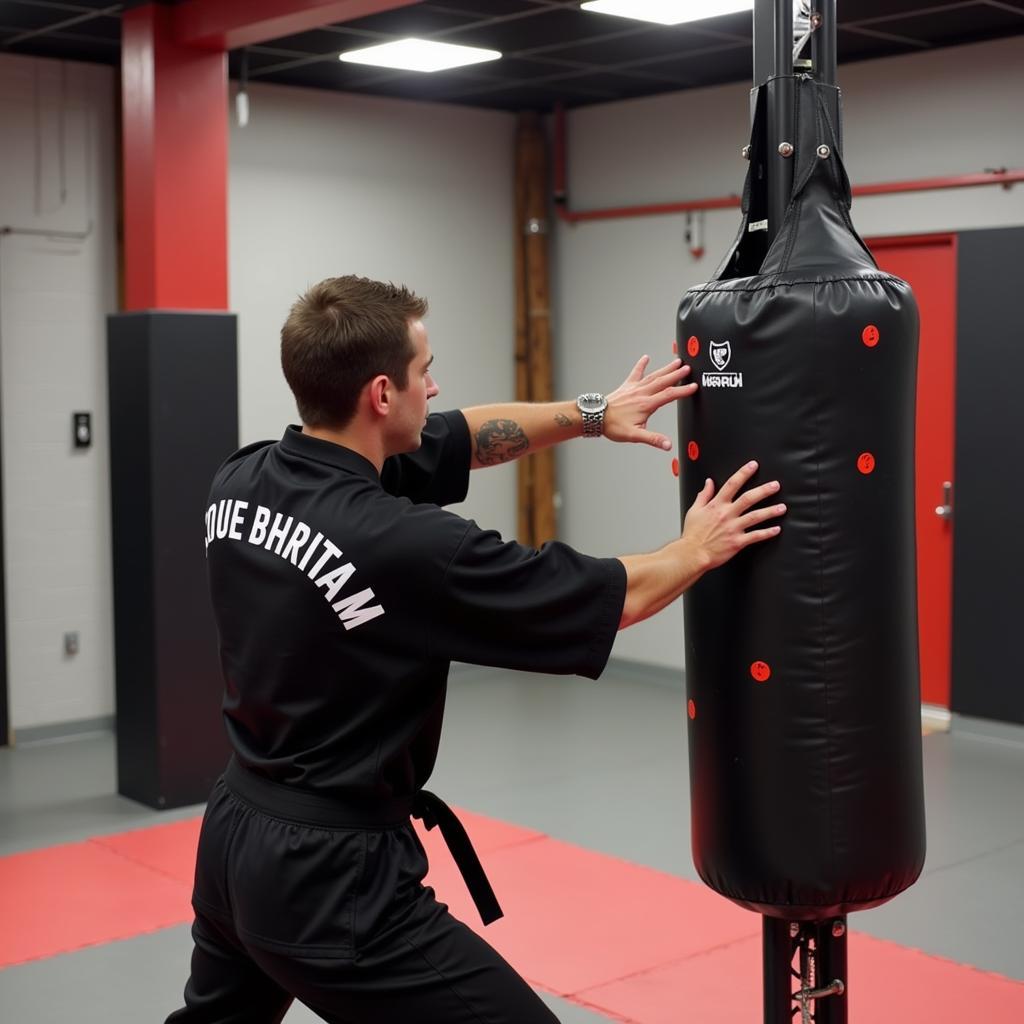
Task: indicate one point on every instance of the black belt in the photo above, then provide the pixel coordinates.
(309, 808)
(432, 810)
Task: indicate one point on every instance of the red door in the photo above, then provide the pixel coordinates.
(928, 264)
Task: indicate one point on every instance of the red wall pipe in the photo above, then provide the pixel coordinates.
(1006, 178)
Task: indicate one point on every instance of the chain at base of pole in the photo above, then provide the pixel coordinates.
(819, 948)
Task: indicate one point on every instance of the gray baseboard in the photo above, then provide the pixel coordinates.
(60, 731)
(988, 729)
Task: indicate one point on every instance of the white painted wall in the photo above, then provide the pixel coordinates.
(323, 184)
(56, 174)
(953, 111)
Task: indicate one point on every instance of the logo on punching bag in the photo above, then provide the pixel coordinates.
(720, 353)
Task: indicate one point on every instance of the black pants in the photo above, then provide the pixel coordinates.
(339, 919)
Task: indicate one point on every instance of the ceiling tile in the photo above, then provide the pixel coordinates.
(28, 16)
(483, 9)
(553, 50)
(861, 10)
(320, 40)
(852, 45)
(657, 42)
(415, 20)
(958, 25)
(64, 47)
(732, 65)
(549, 26)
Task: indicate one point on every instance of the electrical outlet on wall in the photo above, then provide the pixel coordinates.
(81, 429)
(71, 644)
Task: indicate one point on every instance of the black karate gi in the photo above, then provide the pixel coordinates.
(340, 599)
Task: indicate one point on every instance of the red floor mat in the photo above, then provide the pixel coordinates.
(113, 887)
(66, 897)
(574, 918)
(168, 849)
(627, 941)
(888, 983)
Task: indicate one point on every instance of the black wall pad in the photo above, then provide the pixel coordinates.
(988, 545)
(173, 381)
(5, 722)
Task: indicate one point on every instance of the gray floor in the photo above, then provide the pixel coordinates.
(602, 765)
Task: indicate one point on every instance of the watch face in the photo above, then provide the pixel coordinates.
(592, 403)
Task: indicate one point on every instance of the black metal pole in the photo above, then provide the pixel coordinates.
(823, 43)
(823, 59)
(773, 71)
(777, 960)
(773, 66)
(831, 944)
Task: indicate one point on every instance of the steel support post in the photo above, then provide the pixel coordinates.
(777, 958)
(773, 71)
(831, 945)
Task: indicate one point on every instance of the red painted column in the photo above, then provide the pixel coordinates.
(175, 152)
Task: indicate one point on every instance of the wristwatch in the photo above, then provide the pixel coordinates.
(592, 406)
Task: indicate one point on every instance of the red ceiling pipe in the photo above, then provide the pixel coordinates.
(1003, 177)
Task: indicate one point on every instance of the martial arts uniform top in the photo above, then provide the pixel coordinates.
(342, 596)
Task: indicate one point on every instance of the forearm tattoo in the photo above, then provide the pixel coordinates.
(500, 440)
(562, 420)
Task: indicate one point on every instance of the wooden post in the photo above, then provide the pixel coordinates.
(534, 375)
(524, 468)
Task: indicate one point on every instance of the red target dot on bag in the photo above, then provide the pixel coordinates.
(866, 463)
(761, 671)
(869, 335)
(691, 709)
(693, 346)
(693, 451)
(675, 467)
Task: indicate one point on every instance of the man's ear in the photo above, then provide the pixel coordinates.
(379, 394)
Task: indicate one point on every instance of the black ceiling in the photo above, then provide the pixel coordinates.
(552, 50)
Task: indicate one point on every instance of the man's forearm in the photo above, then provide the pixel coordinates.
(655, 580)
(501, 433)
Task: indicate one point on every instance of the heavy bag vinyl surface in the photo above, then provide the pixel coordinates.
(801, 652)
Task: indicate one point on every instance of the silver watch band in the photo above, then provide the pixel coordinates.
(592, 405)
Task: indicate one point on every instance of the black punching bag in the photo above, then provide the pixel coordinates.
(801, 652)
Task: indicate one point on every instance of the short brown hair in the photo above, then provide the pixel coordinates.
(342, 333)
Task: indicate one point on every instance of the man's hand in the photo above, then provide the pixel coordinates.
(720, 525)
(631, 404)
(715, 529)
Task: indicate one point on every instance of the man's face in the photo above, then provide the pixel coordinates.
(411, 404)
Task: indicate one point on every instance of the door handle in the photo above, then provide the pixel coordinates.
(945, 510)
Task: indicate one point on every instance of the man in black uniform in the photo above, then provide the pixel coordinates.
(342, 590)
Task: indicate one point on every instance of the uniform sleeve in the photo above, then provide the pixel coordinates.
(503, 604)
(438, 471)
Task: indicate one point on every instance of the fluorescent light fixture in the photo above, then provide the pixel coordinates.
(667, 12)
(419, 55)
